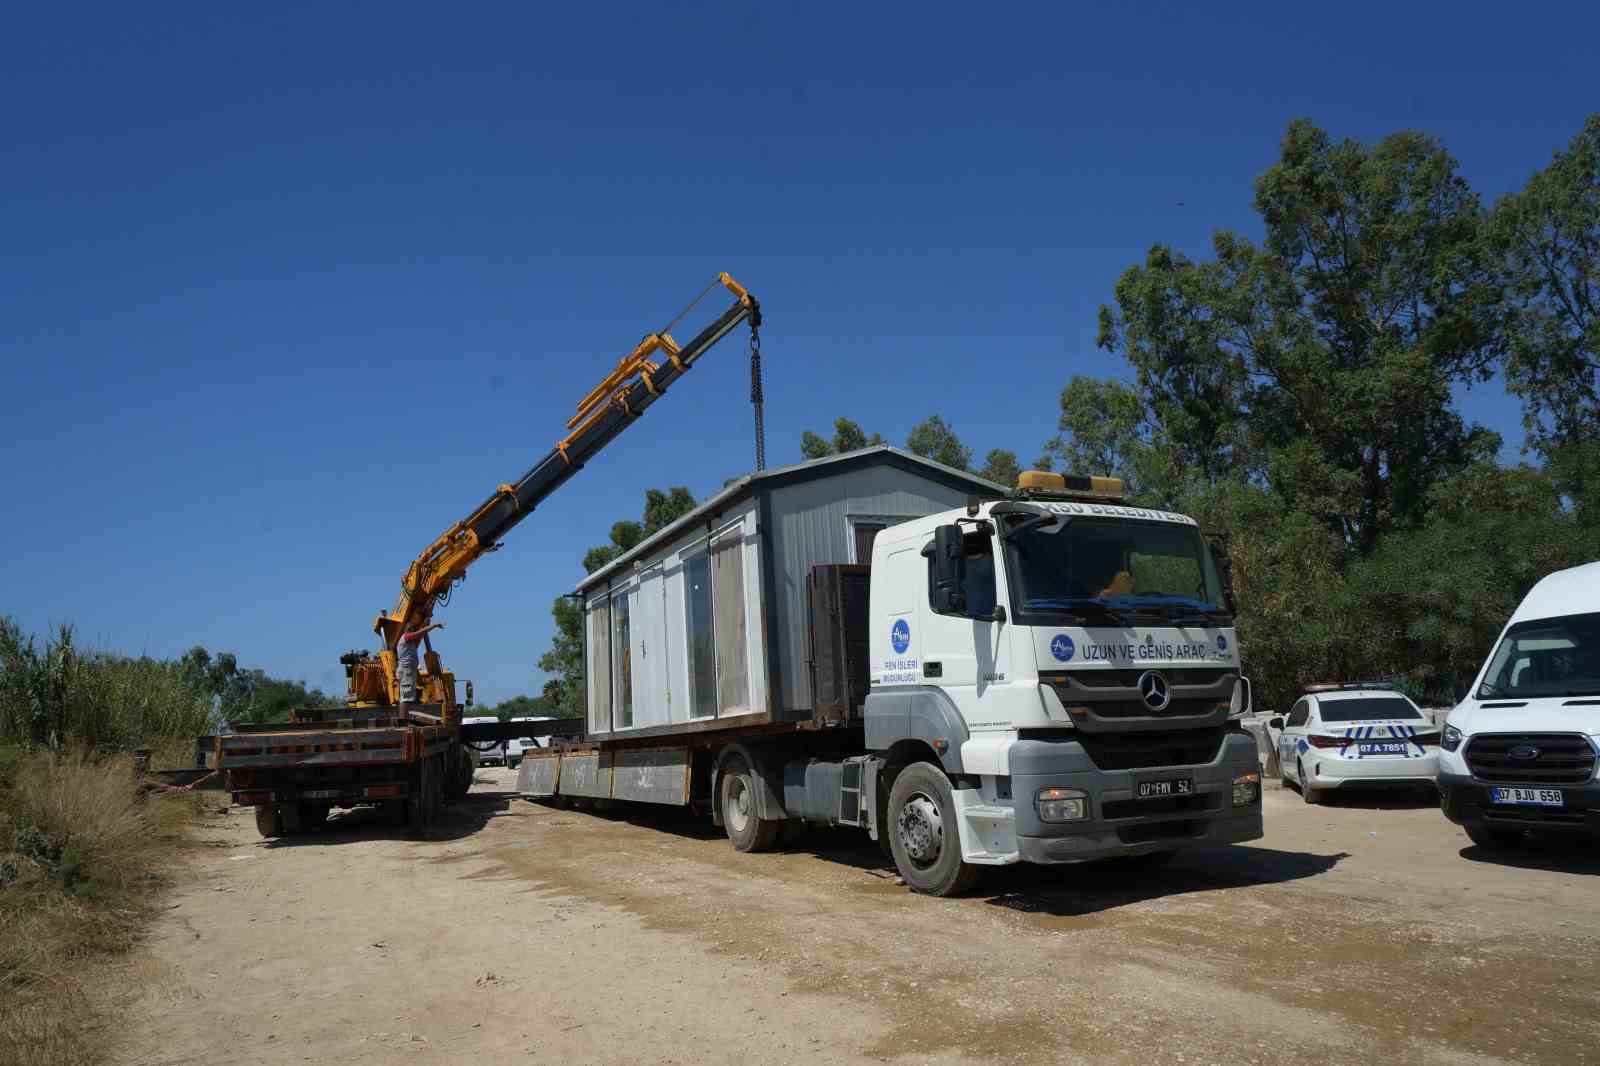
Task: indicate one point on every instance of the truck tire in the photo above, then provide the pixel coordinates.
(746, 828)
(460, 775)
(436, 790)
(923, 833)
(419, 808)
(268, 824)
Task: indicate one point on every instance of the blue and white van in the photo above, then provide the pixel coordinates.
(1521, 751)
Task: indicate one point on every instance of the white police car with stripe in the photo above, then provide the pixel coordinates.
(1350, 737)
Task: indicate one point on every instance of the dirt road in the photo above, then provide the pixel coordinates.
(1366, 932)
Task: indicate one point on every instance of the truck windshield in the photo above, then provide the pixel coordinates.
(1092, 570)
(1546, 657)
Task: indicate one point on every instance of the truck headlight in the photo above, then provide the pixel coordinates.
(1246, 788)
(1062, 805)
(1452, 738)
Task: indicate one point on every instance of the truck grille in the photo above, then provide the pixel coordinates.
(1130, 678)
(1559, 759)
(1134, 751)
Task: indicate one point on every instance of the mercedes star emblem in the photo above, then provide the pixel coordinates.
(1153, 690)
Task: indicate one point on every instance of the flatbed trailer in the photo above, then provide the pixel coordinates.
(409, 763)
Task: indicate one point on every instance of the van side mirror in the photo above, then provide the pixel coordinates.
(469, 693)
(949, 571)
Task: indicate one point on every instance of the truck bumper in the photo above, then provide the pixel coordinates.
(1465, 801)
(1118, 822)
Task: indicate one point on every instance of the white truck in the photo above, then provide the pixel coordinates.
(1045, 677)
(1522, 751)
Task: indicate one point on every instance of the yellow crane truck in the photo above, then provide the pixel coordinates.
(412, 758)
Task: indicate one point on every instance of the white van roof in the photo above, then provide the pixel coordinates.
(1573, 591)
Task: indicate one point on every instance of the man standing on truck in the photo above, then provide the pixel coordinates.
(406, 661)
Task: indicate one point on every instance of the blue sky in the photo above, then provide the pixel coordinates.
(284, 294)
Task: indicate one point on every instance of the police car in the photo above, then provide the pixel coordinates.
(1339, 736)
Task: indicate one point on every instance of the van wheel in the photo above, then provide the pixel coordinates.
(923, 833)
(746, 828)
(268, 823)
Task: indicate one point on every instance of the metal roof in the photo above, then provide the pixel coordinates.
(811, 470)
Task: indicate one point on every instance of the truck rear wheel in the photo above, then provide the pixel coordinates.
(746, 828)
(923, 833)
(268, 824)
(419, 805)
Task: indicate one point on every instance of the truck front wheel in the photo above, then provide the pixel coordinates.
(268, 824)
(923, 834)
(746, 828)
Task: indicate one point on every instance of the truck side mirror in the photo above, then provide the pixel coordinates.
(1219, 555)
(949, 571)
(1276, 723)
(469, 693)
(1242, 697)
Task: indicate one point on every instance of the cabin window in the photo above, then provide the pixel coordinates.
(702, 636)
(727, 596)
(622, 660)
(600, 666)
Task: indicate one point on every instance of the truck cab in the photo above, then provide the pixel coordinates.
(1072, 663)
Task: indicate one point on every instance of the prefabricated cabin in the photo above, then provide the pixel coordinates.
(707, 624)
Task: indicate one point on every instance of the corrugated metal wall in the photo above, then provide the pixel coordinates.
(814, 523)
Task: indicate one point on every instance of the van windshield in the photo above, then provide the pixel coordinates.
(1546, 657)
(1089, 568)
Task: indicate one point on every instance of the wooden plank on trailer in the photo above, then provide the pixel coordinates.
(651, 775)
(587, 774)
(539, 775)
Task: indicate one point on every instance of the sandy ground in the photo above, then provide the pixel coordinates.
(1368, 931)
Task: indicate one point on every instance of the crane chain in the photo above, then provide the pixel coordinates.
(757, 399)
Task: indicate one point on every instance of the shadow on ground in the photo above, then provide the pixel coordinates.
(458, 820)
(1074, 890)
(1557, 854)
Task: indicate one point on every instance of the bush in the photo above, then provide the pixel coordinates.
(81, 856)
(55, 694)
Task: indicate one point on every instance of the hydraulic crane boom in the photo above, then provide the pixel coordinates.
(609, 408)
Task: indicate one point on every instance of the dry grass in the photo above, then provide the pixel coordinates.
(81, 860)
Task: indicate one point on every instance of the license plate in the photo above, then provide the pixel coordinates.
(1534, 797)
(1172, 786)
(321, 794)
(1383, 747)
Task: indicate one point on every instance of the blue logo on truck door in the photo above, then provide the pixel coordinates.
(1062, 648)
(900, 636)
(1222, 643)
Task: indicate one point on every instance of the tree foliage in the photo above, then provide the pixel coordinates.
(1001, 467)
(1322, 360)
(1547, 239)
(1296, 396)
(932, 438)
(847, 437)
